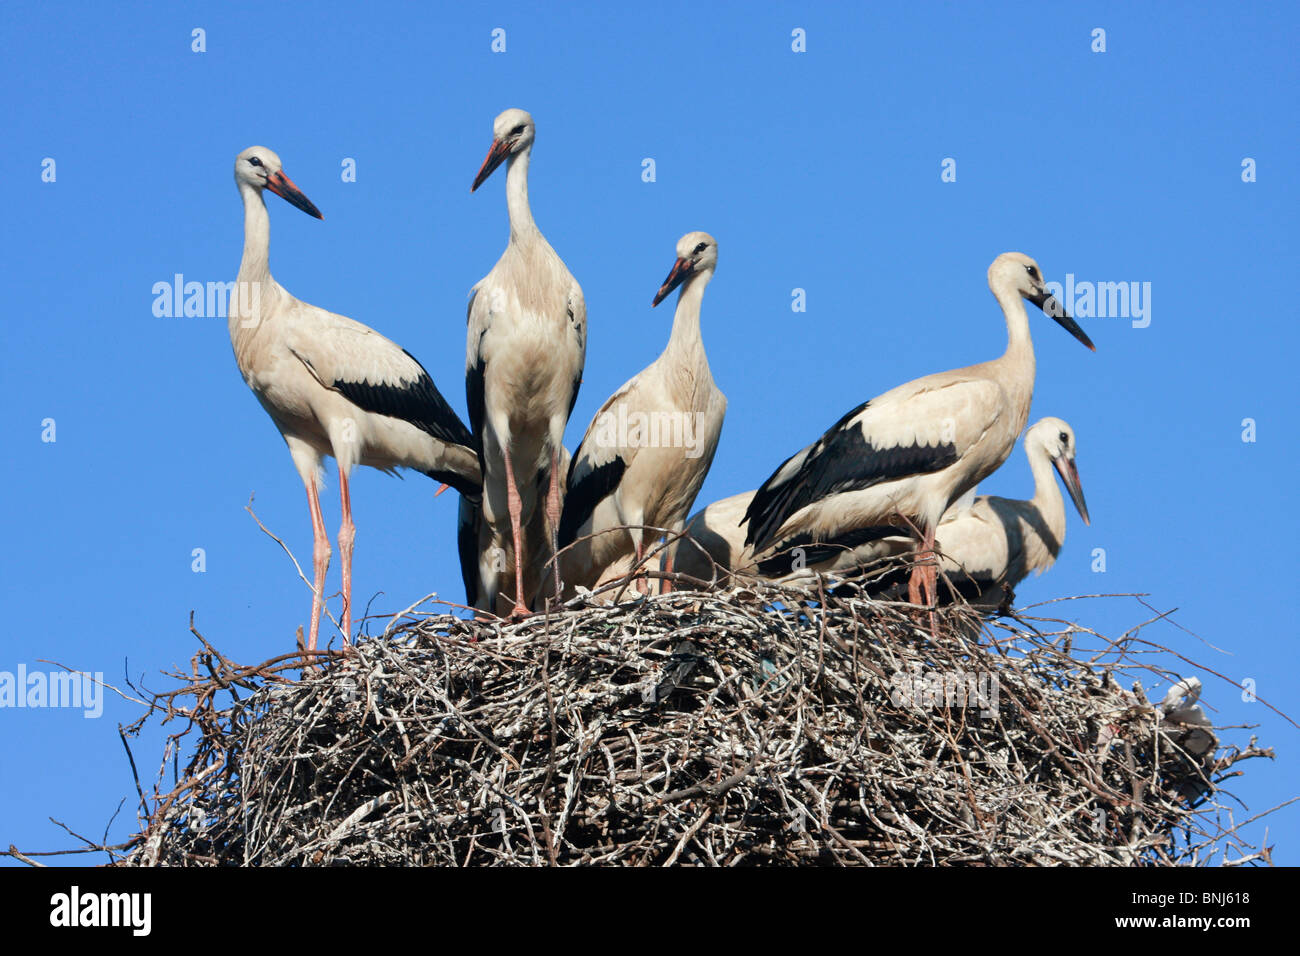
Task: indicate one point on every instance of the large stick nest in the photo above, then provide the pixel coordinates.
(756, 725)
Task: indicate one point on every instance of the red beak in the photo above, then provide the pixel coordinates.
(495, 157)
(283, 186)
(681, 269)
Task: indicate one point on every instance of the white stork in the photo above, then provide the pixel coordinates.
(526, 344)
(331, 385)
(899, 460)
(987, 544)
(647, 451)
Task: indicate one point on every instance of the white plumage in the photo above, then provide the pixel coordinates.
(987, 544)
(525, 349)
(899, 460)
(332, 385)
(647, 451)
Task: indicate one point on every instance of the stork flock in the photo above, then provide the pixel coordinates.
(536, 524)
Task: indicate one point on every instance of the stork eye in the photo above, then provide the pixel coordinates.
(517, 130)
(1032, 270)
(701, 247)
(1065, 439)
(254, 160)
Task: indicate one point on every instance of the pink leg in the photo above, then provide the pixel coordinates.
(516, 511)
(347, 535)
(320, 561)
(914, 584)
(924, 578)
(931, 573)
(931, 579)
(553, 517)
(666, 586)
(641, 581)
(920, 587)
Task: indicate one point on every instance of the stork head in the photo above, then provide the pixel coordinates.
(1056, 438)
(1016, 272)
(512, 133)
(696, 252)
(260, 168)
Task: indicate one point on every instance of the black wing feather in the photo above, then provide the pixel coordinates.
(418, 402)
(577, 382)
(581, 500)
(421, 404)
(892, 586)
(467, 524)
(475, 377)
(573, 398)
(814, 552)
(841, 460)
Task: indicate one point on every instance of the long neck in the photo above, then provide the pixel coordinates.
(1018, 360)
(1047, 495)
(521, 216)
(255, 265)
(685, 338)
(1019, 344)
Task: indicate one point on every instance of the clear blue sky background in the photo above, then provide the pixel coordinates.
(818, 170)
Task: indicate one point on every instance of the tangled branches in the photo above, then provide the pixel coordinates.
(757, 725)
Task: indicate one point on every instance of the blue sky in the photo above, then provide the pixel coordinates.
(818, 170)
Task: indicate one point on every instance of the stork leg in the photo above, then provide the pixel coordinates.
(553, 517)
(347, 536)
(932, 578)
(914, 582)
(666, 585)
(921, 585)
(642, 583)
(931, 569)
(516, 508)
(320, 561)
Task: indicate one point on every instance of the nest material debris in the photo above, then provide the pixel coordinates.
(754, 726)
